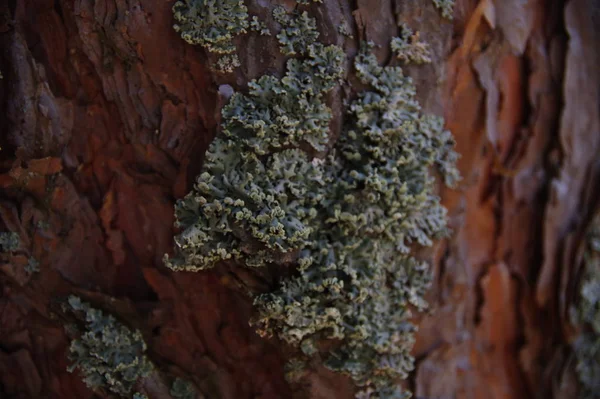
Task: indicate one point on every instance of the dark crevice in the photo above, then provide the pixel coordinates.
(441, 275)
(59, 11)
(521, 323)
(479, 300)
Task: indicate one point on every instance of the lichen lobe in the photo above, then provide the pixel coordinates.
(107, 354)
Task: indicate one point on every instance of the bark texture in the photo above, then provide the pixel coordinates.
(105, 116)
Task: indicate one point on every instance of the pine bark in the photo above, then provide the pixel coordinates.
(105, 116)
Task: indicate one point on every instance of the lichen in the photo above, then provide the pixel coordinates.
(107, 354)
(295, 370)
(33, 266)
(446, 7)
(251, 201)
(9, 241)
(139, 395)
(258, 26)
(285, 112)
(227, 63)
(182, 389)
(298, 31)
(356, 278)
(344, 29)
(211, 23)
(306, 2)
(587, 353)
(587, 314)
(347, 221)
(408, 48)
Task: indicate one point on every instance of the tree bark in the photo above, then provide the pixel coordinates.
(106, 115)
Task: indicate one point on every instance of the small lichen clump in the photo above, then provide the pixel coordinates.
(344, 29)
(446, 7)
(211, 23)
(408, 47)
(182, 389)
(33, 266)
(258, 26)
(347, 221)
(228, 63)
(108, 354)
(298, 33)
(587, 314)
(9, 241)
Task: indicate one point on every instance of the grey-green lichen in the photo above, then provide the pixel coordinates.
(295, 369)
(227, 63)
(587, 313)
(298, 31)
(344, 29)
(258, 26)
(107, 354)
(356, 278)
(211, 23)
(139, 395)
(408, 48)
(33, 266)
(347, 221)
(182, 389)
(9, 241)
(446, 7)
(254, 197)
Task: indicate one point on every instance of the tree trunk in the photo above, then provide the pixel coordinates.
(106, 115)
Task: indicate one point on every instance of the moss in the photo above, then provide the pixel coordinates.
(587, 314)
(9, 241)
(298, 32)
(107, 354)
(408, 48)
(446, 7)
(211, 23)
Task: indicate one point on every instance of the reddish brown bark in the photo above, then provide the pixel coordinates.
(522, 101)
(105, 116)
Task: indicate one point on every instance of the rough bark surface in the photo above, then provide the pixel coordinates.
(105, 116)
